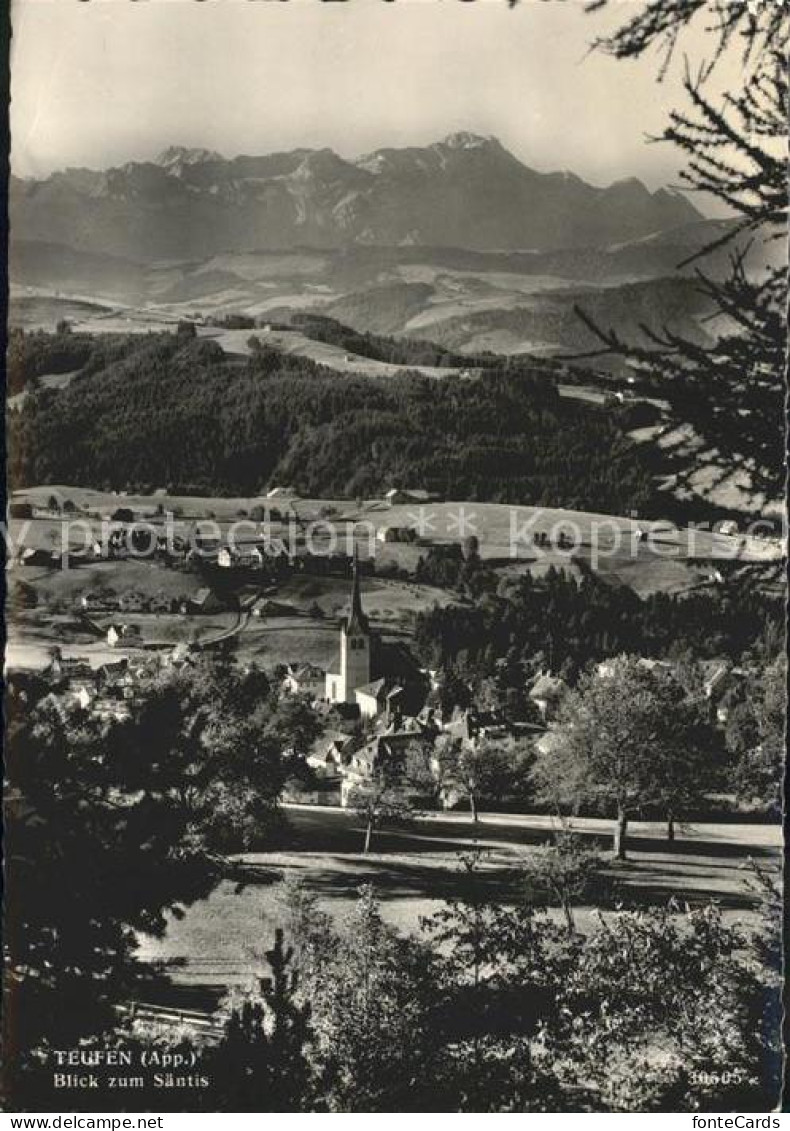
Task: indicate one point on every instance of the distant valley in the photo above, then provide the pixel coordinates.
(468, 301)
(457, 243)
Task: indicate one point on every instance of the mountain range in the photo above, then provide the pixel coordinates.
(466, 191)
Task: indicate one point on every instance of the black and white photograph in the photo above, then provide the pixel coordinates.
(396, 545)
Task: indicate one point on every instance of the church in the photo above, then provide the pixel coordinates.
(352, 679)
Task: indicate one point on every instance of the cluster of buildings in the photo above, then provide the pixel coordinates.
(109, 690)
(390, 705)
(203, 600)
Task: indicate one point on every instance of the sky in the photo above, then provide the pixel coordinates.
(101, 82)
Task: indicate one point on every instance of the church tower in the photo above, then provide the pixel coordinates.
(354, 663)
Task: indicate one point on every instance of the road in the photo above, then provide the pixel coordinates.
(519, 826)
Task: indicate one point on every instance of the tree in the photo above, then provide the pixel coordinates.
(688, 754)
(497, 967)
(453, 692)
(213, 749)
(92, 858)
(390, 791)
(373, 1016)
(263, 1062)
(756, 735)
(484, 771)
(621, 739)
(735, 151)
(565, 871)
(470, 547)
(651, 1001)
(133, 818)
(294, 724)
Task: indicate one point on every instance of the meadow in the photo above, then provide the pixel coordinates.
(414, 867)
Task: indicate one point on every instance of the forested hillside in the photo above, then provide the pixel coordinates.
(169, 412)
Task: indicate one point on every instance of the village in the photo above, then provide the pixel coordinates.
(330, 639)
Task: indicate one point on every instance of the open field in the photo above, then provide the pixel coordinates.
(333, 357)
(385, 598)
(415, 867)
(502, 529)
(46, 381)
(34, 308)
(664, 560)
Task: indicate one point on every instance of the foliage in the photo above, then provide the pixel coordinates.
(391, 789)
(213, 750)
(735, 151)
(263, 1062)
(756, 736)
(568, 621)
(91, 858)
(129, 818)
(566, 871)
(394, 351)
(33, 354)
(178, 413)
(372, 997)
(658, 1013)
(487, 771)
(629, 737)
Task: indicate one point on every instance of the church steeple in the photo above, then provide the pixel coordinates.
(352, 669)
(357, 624)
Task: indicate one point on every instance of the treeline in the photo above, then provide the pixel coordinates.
(567, 624)
(395, 351)
(495, 1008)
(174, 412)
(36, 353)
(33, 354)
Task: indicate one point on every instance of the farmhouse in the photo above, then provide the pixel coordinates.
(36, 556)
(396, 496)
(161, 603)
(546, 693)
(83, 696)
(266, 607)
(385, 752)
(396, 534)
(305, 679)
(178, 656)
(243, 557)
(132, 603)
(98, 602)
(128, 633)
(204, 601)
(330, 753)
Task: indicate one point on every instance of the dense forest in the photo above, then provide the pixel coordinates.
(568, 625)
(31, 355)
(174, 411)
(382, 347)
